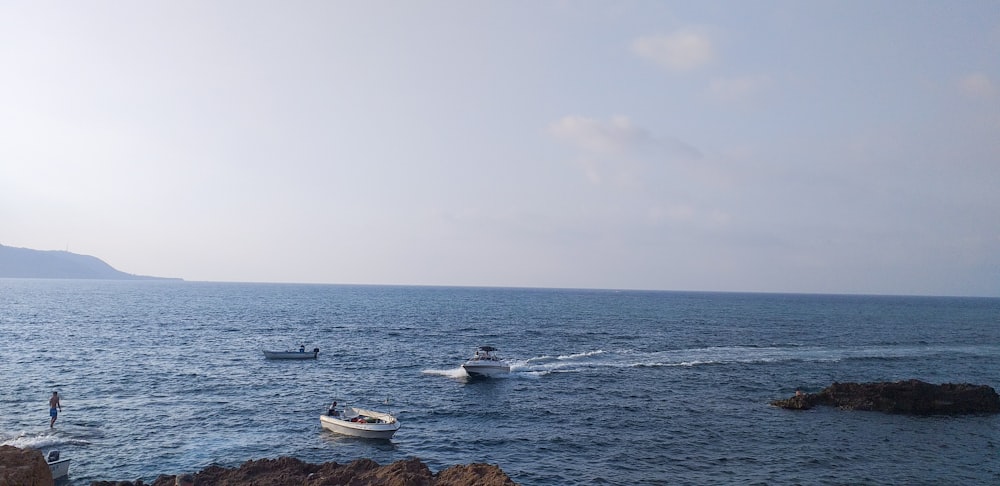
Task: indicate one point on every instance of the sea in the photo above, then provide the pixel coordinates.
(607, 387)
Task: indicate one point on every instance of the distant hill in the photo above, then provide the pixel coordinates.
(27, 263)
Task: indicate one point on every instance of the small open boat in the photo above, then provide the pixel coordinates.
(58, 467)
(300, 354)
(486, 363)
(358, 422)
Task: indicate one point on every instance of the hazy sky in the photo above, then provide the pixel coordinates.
(799, 146)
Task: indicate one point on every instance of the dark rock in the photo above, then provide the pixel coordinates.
(801, 401)
(288, 471)
(473, 475)
(913, 397)
(24, 467)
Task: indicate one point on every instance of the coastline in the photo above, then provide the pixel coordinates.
(28, 466)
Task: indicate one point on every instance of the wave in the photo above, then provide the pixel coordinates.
(40, 440)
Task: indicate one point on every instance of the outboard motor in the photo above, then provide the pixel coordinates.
(53, 456)
(315, 350)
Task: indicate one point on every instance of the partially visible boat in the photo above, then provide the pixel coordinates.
(300, 354)
(359, 422)
(58, 467)
(485, 363)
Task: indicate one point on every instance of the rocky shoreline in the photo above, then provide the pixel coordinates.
(28, 467)
(910, 397)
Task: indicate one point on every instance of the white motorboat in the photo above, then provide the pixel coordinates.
(300, 354)
(58, 467)
(486, 363)
(358, 422)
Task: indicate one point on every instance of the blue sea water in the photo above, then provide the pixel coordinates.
(606, 387)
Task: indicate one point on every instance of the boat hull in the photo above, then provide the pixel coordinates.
(480, 369)
(342, 425)
(486, 363)
(291, 354)
(59, 468)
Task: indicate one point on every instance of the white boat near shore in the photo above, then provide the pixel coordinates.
(486, 363)
(359, 422)
(300, 354)
(58, 467)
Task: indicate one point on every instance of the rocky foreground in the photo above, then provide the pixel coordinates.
(24, 467)
(912, 397)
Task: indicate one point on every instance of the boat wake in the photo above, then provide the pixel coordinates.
(455, 373)
(717, 355)
(460, 374)
(723, 355)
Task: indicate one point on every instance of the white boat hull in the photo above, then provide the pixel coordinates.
(486, 369)
(486, 363)
(291, 354)
(385, 427)
(59, 468)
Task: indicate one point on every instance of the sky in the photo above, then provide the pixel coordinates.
(770, 146)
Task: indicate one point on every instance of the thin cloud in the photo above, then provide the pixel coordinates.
(739, 89)
(617, 150)
(616, 136)
(606, 149)
(685, 50)
(587, 134)
(978, 86)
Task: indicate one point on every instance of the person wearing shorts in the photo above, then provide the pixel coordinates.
(53, 406)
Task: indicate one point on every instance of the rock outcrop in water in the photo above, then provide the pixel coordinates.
(23, 467)
(288, 471)
(912, 397)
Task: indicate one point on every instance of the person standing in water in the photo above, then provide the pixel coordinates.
(53, 405)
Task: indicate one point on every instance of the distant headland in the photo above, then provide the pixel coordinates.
(28, 263)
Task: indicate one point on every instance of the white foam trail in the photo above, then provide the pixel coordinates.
(703, 356)
(518, 369)
(455, 373)
(49, 438)
(581, 355)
